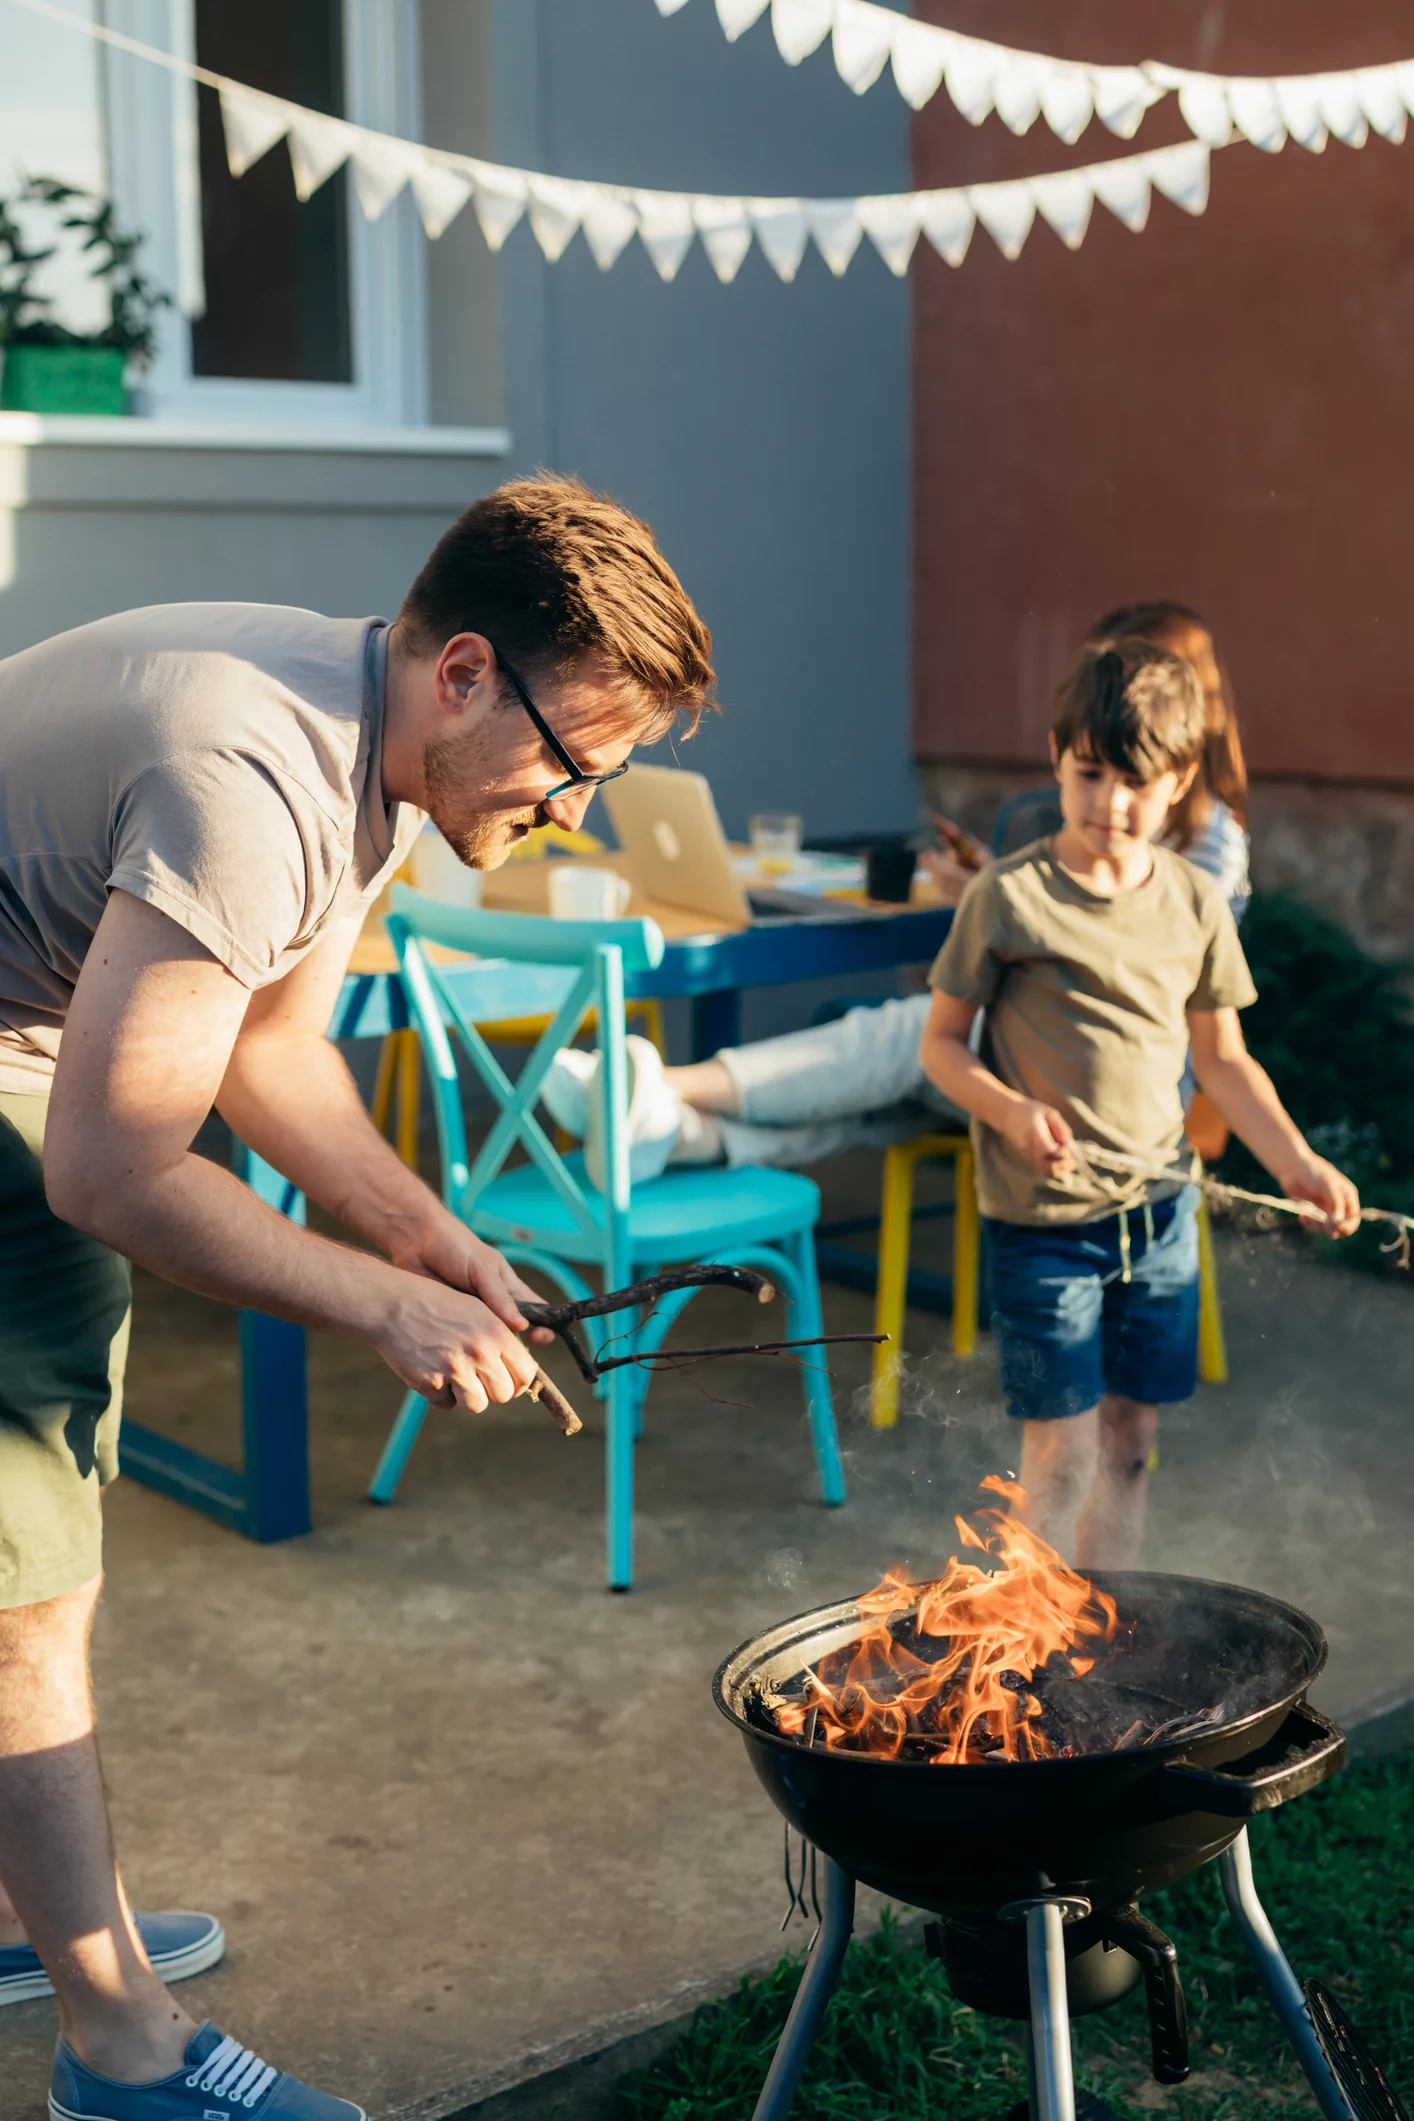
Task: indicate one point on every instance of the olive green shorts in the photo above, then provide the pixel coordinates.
(64, 1308)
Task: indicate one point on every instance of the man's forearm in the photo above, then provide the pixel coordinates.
(197, 1225)
(1244, 1094)
(297, 1106)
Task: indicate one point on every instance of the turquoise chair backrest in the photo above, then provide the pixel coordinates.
(603, 951)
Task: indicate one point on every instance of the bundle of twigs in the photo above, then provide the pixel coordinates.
(1098, 1164)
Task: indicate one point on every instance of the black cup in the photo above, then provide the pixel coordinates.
(889, 871)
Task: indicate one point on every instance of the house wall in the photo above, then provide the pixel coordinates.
(1217, 410)
(762, 429)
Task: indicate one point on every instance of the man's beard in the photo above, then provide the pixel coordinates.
(481, 838)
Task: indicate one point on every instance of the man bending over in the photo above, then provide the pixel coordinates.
(198, 804)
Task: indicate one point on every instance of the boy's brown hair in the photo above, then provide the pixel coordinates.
(549, 571)
(1132, 705)
(1224, 771)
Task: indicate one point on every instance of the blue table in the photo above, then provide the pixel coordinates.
(267, 1497)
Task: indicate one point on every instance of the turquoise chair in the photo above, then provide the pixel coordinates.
(544, 1214)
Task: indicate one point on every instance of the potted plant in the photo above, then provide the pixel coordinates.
(46, 367)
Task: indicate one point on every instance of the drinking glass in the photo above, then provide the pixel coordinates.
(775, 841)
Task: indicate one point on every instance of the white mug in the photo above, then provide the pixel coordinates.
(578, 893)
(437, 871)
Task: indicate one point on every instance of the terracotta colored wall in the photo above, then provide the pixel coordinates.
(1219, 409)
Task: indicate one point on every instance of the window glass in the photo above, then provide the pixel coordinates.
(51, 125)
(277, 272)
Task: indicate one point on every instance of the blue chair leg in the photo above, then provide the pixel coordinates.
(398, 1449)
(804, 1325)
(618, 1478)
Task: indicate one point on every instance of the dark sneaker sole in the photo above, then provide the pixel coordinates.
(168, 1966)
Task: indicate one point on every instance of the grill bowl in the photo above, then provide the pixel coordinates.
(1104, 1825)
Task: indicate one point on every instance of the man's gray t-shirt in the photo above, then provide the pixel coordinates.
(221, 761)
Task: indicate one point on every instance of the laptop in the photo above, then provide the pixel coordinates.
(672, 838)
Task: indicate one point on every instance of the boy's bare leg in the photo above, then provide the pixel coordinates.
(705, 1084)
(1058, 1462)
(56, 1852)
(1111, 1528)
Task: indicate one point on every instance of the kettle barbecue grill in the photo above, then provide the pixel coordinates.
(1035, 1868)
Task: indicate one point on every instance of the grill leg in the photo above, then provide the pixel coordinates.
(822, 1970)
(1281, 1985)
(1053, 2092)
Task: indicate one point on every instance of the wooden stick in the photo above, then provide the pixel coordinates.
(553, 1400)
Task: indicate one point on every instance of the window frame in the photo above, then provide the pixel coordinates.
(151, 126)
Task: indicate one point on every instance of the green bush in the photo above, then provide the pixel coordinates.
(1333, 1028)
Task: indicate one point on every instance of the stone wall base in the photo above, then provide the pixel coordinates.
(1348, 850)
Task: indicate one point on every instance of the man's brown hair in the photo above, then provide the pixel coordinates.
(549, 571)
(1132, 705)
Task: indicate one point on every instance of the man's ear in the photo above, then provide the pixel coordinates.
(466, 664)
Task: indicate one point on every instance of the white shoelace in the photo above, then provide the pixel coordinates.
(233, 2072)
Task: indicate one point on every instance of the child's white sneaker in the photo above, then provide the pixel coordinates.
(655, 1113)
(565, 1090)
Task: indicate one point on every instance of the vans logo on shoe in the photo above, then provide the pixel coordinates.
(213, 2114)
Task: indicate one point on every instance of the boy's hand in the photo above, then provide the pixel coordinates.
(1042, 1135)
(1316, 1181)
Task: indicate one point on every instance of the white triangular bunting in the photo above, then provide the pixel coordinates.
(556, 208)
(1382, 101)
(1124, 188)
(1403, 79)
(1181, 174)
(1067, 103)
(665, 228)
(381, 168)
(725, 228)
(837, 229)
(1257, 114)
(863, 40)
(1340, 107)
(737, 16)
(670, 7)
(1300, 109)
(252, 124)
(441, 193)
(318, 146)
(970, 74)
(501, 198)
(801, 27)
(1017, 88)
(1065, 201)
(609, 224)
(782, 232)
(893, 223)
(920, 57)
(948, 221)
(1122, 95)
(1206, 111)
(1006, 211)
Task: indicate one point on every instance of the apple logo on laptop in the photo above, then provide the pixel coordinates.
(667, 841)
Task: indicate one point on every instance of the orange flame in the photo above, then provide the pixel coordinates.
(997, 1628)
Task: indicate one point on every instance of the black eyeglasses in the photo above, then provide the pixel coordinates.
(578, 778)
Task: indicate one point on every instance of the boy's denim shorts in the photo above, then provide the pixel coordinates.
(1069, 1328)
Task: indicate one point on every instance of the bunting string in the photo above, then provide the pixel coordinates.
(1021, 86)
(667, 224)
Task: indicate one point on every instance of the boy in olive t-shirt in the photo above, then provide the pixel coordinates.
(1099, 960)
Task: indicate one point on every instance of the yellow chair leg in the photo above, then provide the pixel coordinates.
(966, 1248)
(1212, 1342)
(409, 1095)
(648, 1013)
(383, 1087)
(895, 1219)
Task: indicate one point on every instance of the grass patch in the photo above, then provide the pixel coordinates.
(1336, 1874)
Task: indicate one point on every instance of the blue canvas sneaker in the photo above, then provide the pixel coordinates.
(178, 1944)
(219, 2081)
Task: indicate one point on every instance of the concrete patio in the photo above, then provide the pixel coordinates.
(464, 1815)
